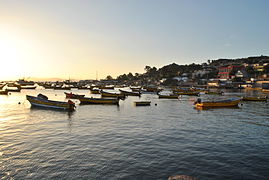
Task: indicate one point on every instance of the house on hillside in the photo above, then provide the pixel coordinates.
(232, 71)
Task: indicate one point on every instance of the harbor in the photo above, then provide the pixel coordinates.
(170, 136)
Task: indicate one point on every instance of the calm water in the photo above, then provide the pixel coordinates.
(128, 142)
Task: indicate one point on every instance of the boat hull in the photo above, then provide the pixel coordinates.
(254, 99)
(188, 93)
(127, 93)
(142, 103)
(106, 94)
(86, 100)
(43, 103)
(168, 96)
(73, 96)
(223, 103)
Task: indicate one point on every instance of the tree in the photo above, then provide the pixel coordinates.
(109, 77)
(147, 69)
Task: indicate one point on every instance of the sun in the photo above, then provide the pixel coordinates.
(10, 57)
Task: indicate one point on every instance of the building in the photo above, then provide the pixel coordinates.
(230, 71)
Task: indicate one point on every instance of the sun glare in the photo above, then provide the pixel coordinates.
(10, 57)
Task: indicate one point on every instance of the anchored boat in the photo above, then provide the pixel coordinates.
(108, 94)
(170, 96)
(5, 92)
(86, 100)
(248, 98)
(130, 93)
(218, 103)
(43, 102)
(188, 93)
(142, 103)
(73, 96)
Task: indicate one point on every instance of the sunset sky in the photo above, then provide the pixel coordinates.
(76, 38)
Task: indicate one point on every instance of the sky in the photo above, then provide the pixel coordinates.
(80, 39)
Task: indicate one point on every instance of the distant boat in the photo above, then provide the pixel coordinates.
(107, 87)
(109, 94)
(129, 93)
(213, 93)
(86, 100)
(218, 103)
(43, 102)
(170, 96)
(248, 98)
(28, 87)
(62, 88)
(5, 92)
(152, 89)
(136, 88)
(23, 82)
(142, 103)
(12, 87)
(190, 93)
(73, 96)
(95, 91)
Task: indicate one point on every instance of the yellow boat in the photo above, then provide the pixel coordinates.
(245, 98)
(218, 103)
(43, 102)
(86, 100)
(142, 103)
(129, 93)
(171, 96)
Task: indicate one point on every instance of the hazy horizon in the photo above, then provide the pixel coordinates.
(77, 38)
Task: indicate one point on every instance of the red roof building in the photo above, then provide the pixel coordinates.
(228, 72)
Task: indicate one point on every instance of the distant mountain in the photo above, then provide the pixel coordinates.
(46, 79)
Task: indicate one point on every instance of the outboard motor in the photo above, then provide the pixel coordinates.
(198, 101)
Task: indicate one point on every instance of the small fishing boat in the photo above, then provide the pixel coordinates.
(129, 93)
(248, 98)
(107, 87)
(190, 93)
(110, 94)
(43, 102)
(142, 103)
(13, 89)
(86, 100)
(95, 91)
(135, 88)
(28, 87)
(170, 96)
(62, 88)
(213, 93)
(218, 103)
(23, 82)
(4, 92)
(73, 96)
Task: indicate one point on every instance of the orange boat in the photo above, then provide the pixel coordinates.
(218, 103)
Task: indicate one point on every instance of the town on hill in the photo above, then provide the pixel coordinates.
(227, 73)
